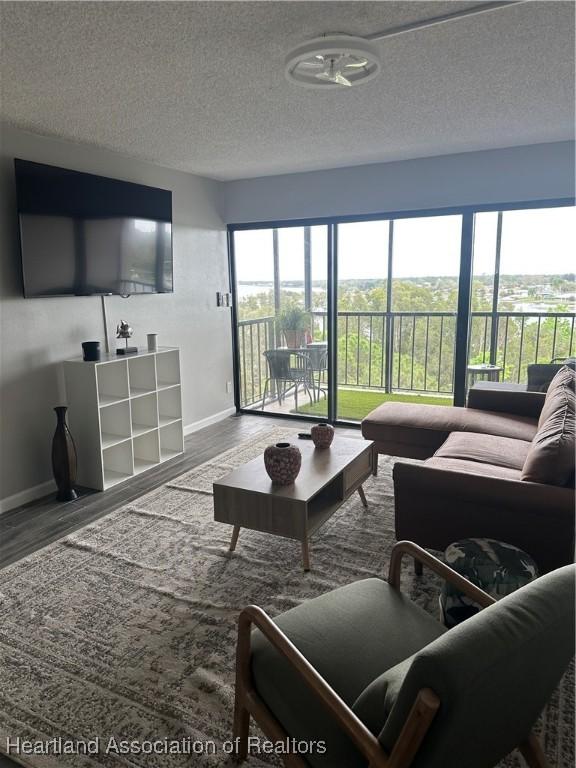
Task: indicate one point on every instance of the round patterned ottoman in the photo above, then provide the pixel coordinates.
(494, 566)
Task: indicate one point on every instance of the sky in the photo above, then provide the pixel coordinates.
(536, 241)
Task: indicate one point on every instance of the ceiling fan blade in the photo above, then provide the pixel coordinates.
(337, 78)
(356, 64)
(340, 79)
(311, 64)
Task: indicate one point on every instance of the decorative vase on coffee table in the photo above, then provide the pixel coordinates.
(64, 458)
(282, 462)
(322, 435)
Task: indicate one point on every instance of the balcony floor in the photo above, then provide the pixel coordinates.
(353, 404)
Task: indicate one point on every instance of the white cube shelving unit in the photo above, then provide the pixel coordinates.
(125, 414)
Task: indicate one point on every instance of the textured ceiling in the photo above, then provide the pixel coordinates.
(200, 86)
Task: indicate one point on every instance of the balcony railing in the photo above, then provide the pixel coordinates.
(414, 351)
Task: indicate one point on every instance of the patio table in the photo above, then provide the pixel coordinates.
(316, 353)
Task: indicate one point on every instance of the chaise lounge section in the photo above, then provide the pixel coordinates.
(501, 468)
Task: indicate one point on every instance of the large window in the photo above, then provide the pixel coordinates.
(397, 314)
(523, 290)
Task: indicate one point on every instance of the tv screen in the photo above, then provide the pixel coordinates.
(85, 235)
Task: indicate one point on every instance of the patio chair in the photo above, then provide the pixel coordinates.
(377, 682)
(288, 369)
(319, 367)
(541, 374)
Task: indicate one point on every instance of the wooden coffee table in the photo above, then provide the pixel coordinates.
(246, 498)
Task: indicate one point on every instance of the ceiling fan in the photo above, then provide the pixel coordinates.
(340, 59)
(335, 67)
(333, 61)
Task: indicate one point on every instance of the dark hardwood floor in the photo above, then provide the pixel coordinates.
(25, 529)
(30, 527)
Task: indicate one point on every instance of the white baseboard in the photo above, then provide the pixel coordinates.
(30, 494)
(189, 428)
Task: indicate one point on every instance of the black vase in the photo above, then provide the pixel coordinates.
(91, 350)
(64, 458)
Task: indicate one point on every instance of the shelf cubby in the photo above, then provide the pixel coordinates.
(146, 451)
(169, 405)
(171, 441)
(142, 375)
(112, 381)
(123, 418)
(144, 413)
(168, 368)
(118, 463)
(115, 424)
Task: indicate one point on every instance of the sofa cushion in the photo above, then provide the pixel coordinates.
(428, 426)
(474, 468)
(550, 459)
(350, 635)
(561, 387)
(505, 398)
(485, 449)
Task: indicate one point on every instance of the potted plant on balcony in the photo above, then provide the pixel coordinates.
(294, 323)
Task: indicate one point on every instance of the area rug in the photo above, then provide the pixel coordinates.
(125, 630)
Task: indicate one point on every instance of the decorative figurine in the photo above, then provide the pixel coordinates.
(124, 331)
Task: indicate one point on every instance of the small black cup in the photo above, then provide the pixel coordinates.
(91, 350)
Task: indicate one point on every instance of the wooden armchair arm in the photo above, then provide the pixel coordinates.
(364, 739)
(448, 574)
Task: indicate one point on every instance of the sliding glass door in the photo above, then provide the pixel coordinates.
(282, 331)
(397, 300)
(425, 269)
(523, 293)
(412, 308)
(362, 300)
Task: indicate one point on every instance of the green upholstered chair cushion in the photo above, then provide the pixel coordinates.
(493, 674)
(375, 703)
(350, 636)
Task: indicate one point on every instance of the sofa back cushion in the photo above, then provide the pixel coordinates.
(561, 386)
(498, 667)
(550, 459)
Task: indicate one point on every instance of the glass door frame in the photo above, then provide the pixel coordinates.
(464, 288)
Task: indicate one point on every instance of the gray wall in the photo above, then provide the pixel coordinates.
(37, 334)
(535, 172)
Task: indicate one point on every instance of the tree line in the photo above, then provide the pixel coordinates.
(421, 348)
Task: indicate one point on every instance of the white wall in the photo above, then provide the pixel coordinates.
(37, 334)
(535, 172)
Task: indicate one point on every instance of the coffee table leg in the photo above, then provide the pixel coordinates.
(362, 496)
(305, 555)
(234, 540)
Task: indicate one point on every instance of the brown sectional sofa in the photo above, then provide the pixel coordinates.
(473, 480)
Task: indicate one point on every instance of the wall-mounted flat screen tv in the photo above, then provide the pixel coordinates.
(85, 235)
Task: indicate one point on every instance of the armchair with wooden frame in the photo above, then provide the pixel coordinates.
(361, 676)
